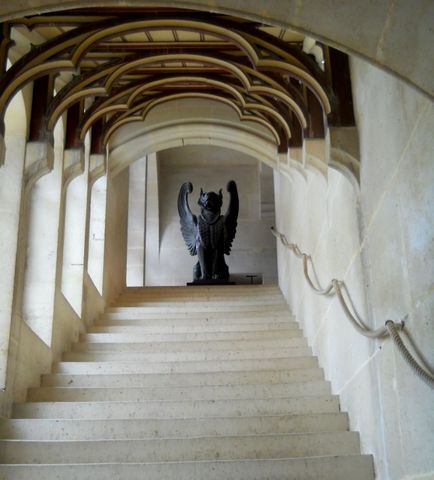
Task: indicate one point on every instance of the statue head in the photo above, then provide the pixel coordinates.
(211, 201)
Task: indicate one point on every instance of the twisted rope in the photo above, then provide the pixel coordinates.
(336, 287)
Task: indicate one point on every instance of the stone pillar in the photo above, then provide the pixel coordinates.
(95, 218)
(2, 144)
(5, 44)
(136, 224)
(96, 231)
(40, 217)
(95, 209)
(75, 186)
(317, 154)
(152, 246)
(115, 249)
(344, 149)
(11, 177)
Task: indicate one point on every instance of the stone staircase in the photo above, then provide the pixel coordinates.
(185, 383)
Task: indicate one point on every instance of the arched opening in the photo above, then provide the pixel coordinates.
(95, 265)
(11, 175)
(42, 216)
(74, 241)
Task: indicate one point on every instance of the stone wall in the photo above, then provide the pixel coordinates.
(116, 236)
(396, 127)
(380, 242)
(209, 168)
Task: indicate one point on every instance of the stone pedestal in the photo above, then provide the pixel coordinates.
(210, 282)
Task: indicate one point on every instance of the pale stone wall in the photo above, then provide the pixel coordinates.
(397, 195)
(393, 241)
(116, 235)
(10, 199)
(73, 241)
(136, 223)
(96, 238)
(209, 168)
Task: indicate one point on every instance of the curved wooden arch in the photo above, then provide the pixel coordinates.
(34, 62)
(110, 129)
(130, 108)
(159, 24)
(273, 90)
(183, 78)
(300, 74)
(262, 112)
(260, 71)
(149, 104)
(178, 57)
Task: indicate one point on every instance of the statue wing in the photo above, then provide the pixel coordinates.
(231, 216)
(187, 219)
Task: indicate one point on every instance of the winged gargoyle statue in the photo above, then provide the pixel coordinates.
(210, 235)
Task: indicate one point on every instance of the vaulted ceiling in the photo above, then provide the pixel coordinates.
(107, 67)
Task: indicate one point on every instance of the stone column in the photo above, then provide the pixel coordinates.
(136, 224)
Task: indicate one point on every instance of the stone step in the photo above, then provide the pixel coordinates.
(218, 355)
(219, 345)
(222, 296)
(185, 383)
(336, 467)
(207, 328)
(203, 290)
(183, 367)
(242, 377)
(177, 409)
(192, 290)
(249, 303)
(134, 337)
(253, 311)
(196, 320)
(211, 392)
(204, 307)
(180, 449)
(96, 429)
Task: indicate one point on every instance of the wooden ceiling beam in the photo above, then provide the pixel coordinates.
(97, 146)
(43, 89)
(5, 43)
(73, 120)
(187, 45)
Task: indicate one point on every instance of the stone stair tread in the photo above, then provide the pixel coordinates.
(188, 356)
(171, 449)
(176, 408)
(185, 383)
(215, 327)
(335, 467)
(201, 392)
(184, 366)
(184, 379)
(187, 336)
(206, 306)
(35, 428)
(189, 346)
(193, 317)
(271, 319)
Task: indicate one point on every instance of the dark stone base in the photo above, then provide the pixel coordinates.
(210, 282)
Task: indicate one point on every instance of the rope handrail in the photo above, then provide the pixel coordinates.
(337, 287)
